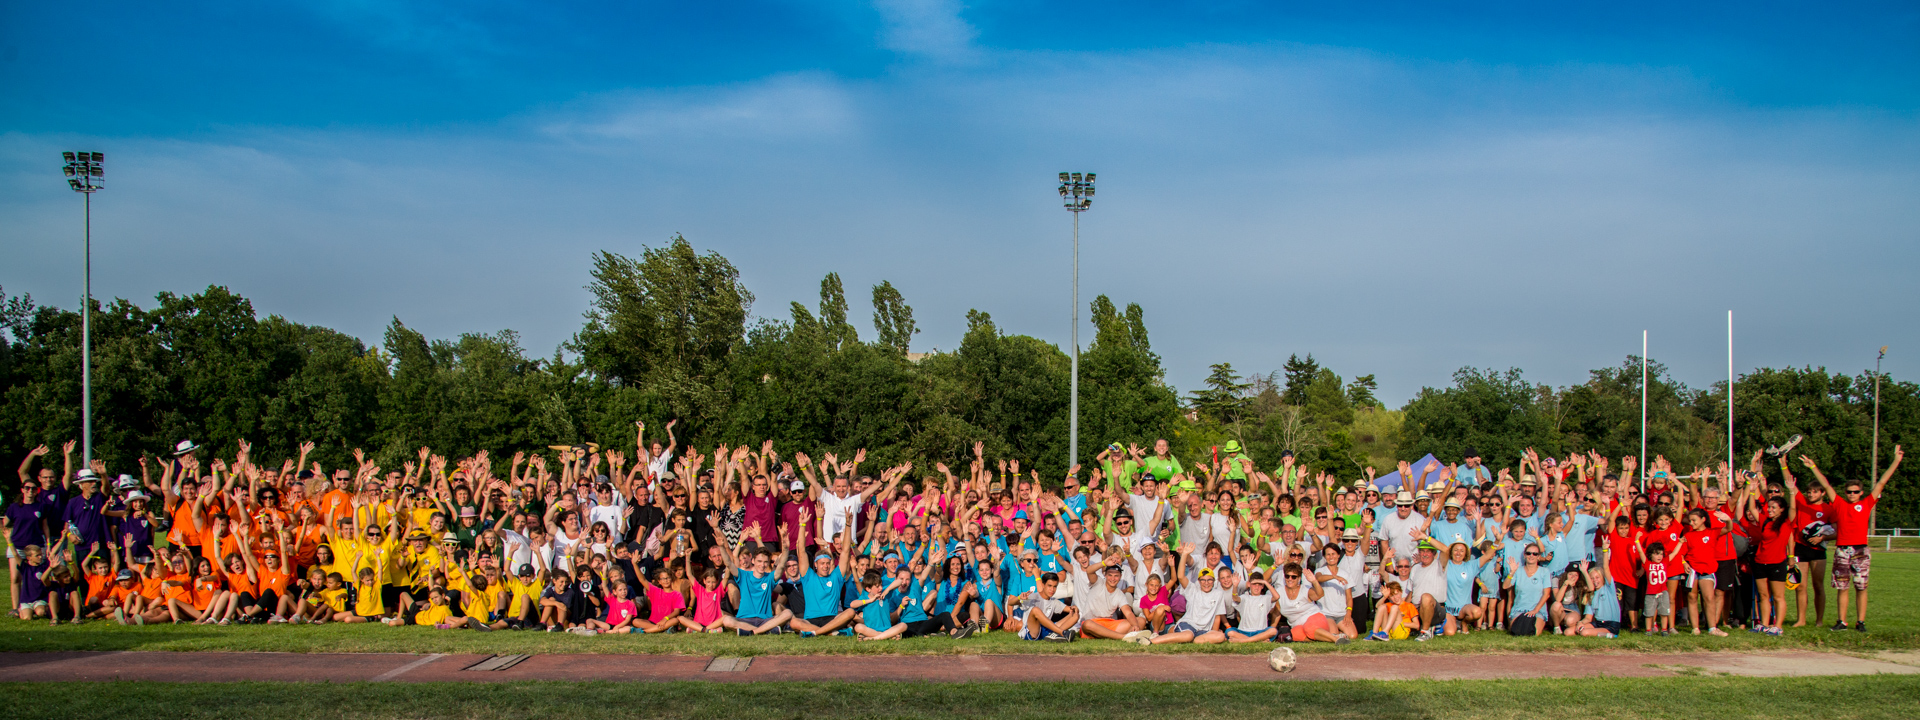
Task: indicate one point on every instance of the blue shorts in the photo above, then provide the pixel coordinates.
(1237, 632)
(1185, 627)
(1039, 632)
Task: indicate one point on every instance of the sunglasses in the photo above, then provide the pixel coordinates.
(1533, 554)
(1291, 576)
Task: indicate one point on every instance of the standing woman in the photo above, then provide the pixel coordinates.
(1700, 542)
(1772, 531)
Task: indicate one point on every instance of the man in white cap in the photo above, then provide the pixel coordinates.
(1399, 528)
(83, 513)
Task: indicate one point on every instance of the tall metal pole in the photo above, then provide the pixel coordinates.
(86, 347)
(1729, 390)
(1073, 404)
(1875, 475)
(1643, 410)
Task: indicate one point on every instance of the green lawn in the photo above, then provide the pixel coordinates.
(1894, 619)
(1692, 698)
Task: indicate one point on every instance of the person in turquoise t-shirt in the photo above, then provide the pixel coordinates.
(876, 610)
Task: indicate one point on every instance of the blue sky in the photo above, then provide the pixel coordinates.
(1397, 188)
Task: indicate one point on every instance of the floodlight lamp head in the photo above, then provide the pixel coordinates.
(102, 157)
(1063, 176)
(1089, 178)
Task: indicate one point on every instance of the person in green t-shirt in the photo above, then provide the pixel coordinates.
(1234, 454)
(1161, 463)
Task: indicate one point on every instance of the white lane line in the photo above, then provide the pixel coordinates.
(407, 668)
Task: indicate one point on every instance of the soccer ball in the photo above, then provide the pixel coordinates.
(1281, 659)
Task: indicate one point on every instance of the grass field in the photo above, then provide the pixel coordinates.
(1693, 698)
(1894, 618)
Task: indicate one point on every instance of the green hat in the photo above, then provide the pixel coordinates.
(1233, 446)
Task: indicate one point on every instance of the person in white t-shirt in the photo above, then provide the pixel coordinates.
(1255, 608)
(1109, 607)
(1398, 528)
(659, 460)
(1206, 604)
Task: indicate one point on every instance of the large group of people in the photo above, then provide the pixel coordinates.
(1140, 548)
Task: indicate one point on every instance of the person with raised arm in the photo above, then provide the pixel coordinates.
(1853, 517)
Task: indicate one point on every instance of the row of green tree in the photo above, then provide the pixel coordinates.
(670, 334)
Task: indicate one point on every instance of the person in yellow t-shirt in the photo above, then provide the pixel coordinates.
(330, 601)
(367, 605)
(437, 612)
(525, 587)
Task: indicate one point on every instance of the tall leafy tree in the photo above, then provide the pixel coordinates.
(892, 317)
(1300, 374)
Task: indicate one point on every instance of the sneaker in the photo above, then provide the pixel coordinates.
(806, 633)
(1423, 636)
(743, 632)
(777, 630)
(1057, 637)
(1378, 636)
(1138, 637)
(1717, 632)
(1839, 626)
(1860, 626)
(1341, 640)
(139, 619)
(583, 630)
(276, 620)
(964, 631)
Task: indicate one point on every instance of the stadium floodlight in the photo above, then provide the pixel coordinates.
(86, 174)
(1076, 194)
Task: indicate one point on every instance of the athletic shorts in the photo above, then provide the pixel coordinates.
(1851, 563)
(390, 595)
(820, 621)
(1612, 626)
(1185, 627)
(756, 622)
(1803, 552)
(1454, 610)
(1108, 623)
(1776, 572)
(1630, 597)
(1304, 631)
(1237, 632)
(1727, 576)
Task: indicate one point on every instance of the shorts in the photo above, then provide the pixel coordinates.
(1185, 627)
(1304, 631)
(390, 595)
(1454, 610)
(1851, 563)
(35, 605)
(1522, 625)
(1630, 596)
(1400, 633)
(820, 621)
(1727, 576)
(1612, 626)
(1699, 580)
(1237, 632)
(1776, 572)
(1657, 604)
(1108, 623)
(754, 621)
(1803, 552)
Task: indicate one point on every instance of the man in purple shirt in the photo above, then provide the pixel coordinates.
(83, 512)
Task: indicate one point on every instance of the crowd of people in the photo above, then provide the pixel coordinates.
(1141, 548)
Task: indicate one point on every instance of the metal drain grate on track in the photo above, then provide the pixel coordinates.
(729, 664)
(497, 663)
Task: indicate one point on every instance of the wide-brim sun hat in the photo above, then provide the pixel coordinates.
(183, 447)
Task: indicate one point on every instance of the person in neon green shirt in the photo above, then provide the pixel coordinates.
(1234, 454)
(1161, 463)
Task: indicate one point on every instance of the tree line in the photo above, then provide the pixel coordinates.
(671, 334)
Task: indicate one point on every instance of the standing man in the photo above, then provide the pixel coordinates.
(1853, 515)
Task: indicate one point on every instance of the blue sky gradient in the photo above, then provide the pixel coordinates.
(1398, 188)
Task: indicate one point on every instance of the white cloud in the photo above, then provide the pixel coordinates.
(928, 28)
(788, 107)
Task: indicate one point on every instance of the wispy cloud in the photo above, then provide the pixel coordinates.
(786, 107)
(932, 29)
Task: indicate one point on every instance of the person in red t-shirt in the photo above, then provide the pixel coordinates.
(1623, 563)
(1853, 517)
(1772, 530)
(1810, 552)
(1666, 533)
(1702, 559)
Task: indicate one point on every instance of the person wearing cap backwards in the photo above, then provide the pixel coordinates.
(84, 516)
(820, 608)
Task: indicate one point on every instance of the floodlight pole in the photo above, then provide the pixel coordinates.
(1875, 475)
(82, 169)
(1643, 411)
(1076, 194)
